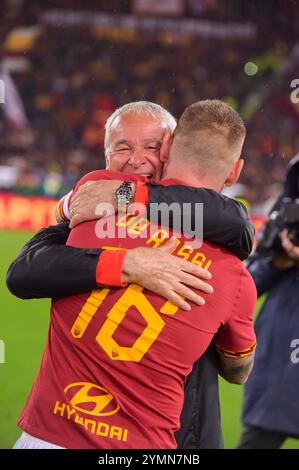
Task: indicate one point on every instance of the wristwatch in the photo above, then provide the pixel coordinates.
(124, 194)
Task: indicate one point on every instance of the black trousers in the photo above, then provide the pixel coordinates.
(258, 438)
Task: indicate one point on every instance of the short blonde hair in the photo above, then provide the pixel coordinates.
(212, 115)
(209, 132)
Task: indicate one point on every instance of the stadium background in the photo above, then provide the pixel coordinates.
(68, 64)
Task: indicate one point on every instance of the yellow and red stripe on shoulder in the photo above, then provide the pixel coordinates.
(236, 354)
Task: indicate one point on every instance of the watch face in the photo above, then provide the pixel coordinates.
(124, 193)
(122, 199)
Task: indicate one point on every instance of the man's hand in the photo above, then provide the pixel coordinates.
(289, 247)
(93, 200)
(290, 258)
(166, 275)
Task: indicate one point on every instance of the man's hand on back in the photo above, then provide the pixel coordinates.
(166, 275)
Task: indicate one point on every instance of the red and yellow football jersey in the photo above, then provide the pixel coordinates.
(113, 371)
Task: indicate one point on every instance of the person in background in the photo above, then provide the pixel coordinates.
(271, 407)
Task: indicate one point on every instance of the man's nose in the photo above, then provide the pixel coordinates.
(137, 158)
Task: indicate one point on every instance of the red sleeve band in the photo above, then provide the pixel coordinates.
(109, 268)
(61, 211)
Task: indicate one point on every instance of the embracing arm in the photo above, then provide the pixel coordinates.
(45, 262)
(46, 267)
(225, 221)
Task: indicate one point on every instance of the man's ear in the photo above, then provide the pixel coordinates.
(165, 147)
(234, 173)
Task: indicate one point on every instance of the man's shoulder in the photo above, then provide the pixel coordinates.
(246, 286)
(222, 255)
(237, 268)
(234, 286)
(228, 264)
(98, 175)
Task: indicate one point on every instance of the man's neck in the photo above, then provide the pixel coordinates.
(188, 178)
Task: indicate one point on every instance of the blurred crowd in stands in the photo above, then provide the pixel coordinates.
(77, 76)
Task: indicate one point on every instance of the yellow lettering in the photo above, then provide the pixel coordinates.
(94, 427)
(58, 408)
(126, 220)
(139, 226)
(88, 311)
(92, 423)
(79, 420)
(200, 259)
(185, 252)
(125, 436)
(102, 429)
(158, 238)
(115, 431)
(70, 411)
(208, 264)
(132, 296)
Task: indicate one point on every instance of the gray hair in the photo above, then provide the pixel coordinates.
(140, 107)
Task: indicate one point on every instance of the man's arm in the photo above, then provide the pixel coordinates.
(46, 267)
(225, 221)
(235, 370)
(235, 340)
(37, 272)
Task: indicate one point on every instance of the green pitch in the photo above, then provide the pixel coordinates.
(23, 329)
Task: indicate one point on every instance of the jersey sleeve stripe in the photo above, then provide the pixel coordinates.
(236, 354)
